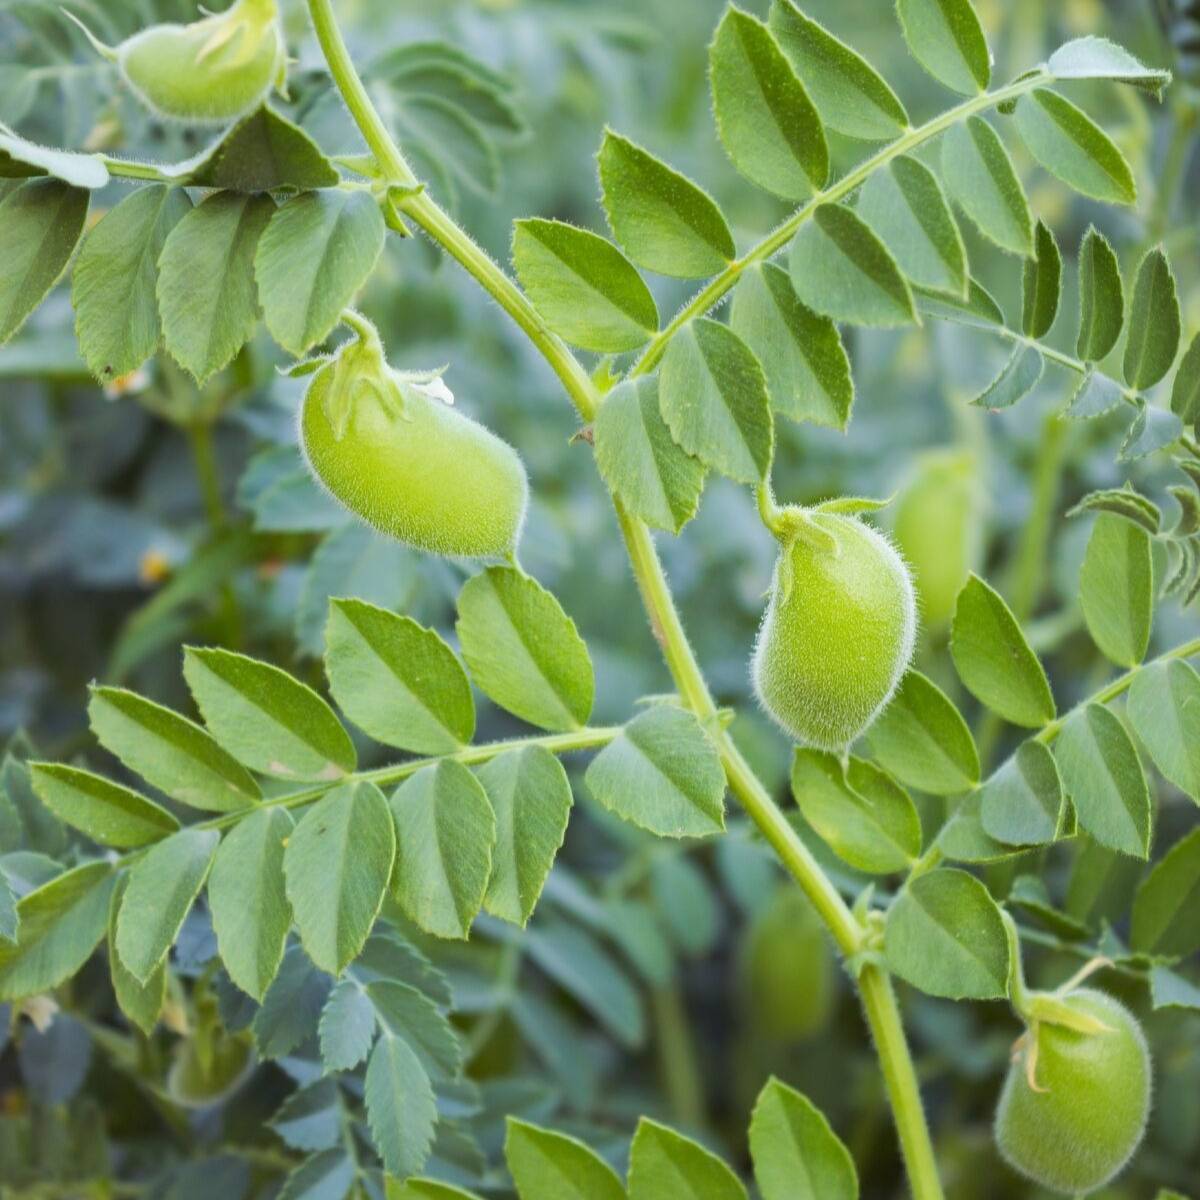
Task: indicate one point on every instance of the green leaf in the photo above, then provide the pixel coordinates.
(1124, 502)
(292, 1005)
(206, 289)
(347, 1028)
(531, 797)
(553, 1166)
(841, 269)
(767, 124)
(425, 1189)
(1116, 588)
(1104, 779)
(401, 1106)
(265, 718)
(174, 754)
(713, 396)
(115, 277)
(979, 310)
(904, 204)
(140, 1002)
(850, 95)
(445, 833)
(10, 923)
(162, 887)
(584, 287)
(1018, 377)
(1153, 429)
(662, 774)
(251, 915)
(60, 924)
(946, 38)
(406, 1012)
(523, 650)
(994, 660)
(1072, 147)
(311, 1117)
(1042, 284)
(1165, 907)
(801, 353)
(1101, 297)
(106, 812)
(922, 739)
(336, 868)
(1098, 58)
(1154, 323)
(396, 680)
(665, 1165)
(1164, 707)
(329, 1175)
(865, 818)
(796, 1154)
(981, 178)
(664, 221)
(21, 159)
(1185, 394)
(577, 962)
(1096, 395)
(263, 152)
(1022, 804)
(945, 936)
(640, 461)
(40, 225)
(315, 254)
(964, 839)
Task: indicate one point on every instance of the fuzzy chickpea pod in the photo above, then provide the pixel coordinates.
(838, 631)
(394, 453)
(209, 71)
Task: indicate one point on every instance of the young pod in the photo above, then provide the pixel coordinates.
(1075, 1103)
(838, 631)
(403, 460)
(937, 524)
(212, 70)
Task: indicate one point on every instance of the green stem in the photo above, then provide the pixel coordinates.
(682, 1080)
(587, 738)
(883, 1016)
(1117, 687)
(879, 1001)
(711, 294)
(200, 438)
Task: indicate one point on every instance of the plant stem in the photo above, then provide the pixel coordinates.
(588, 738)
(883, 1016)
(712, 292)
(200, 439)
(879, 1000)
(682, 1081)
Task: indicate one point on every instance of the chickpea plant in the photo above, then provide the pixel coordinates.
(312, 869)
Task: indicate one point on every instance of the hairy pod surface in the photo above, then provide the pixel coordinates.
(936, 525)
(1082, 1127)
(212, 70)
(837, 634)
(410, 465)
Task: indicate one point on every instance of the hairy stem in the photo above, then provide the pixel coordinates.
(879, 1001)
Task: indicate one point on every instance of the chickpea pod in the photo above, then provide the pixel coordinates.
(209, 71)
(390, 449)
(1077, 1096)
(838, 631)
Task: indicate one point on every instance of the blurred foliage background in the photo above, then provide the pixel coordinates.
(654, 979)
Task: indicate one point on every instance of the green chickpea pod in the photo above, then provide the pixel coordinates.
(389, 448)
(1077, 1097)
(937, 527)
(210, 71)
(839, 627)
